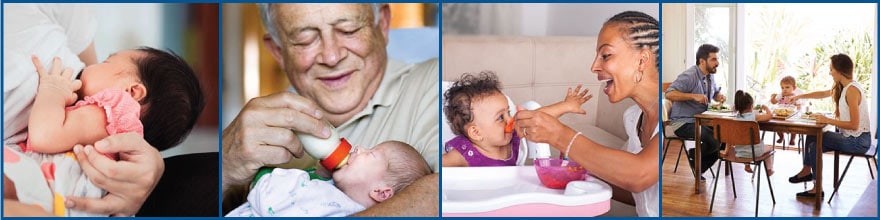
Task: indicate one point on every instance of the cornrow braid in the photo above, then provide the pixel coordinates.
(642, 30)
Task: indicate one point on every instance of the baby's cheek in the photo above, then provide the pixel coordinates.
(508, 137)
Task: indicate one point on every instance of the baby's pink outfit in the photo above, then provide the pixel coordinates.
(45, 179)
(786, 100)
(123, 112)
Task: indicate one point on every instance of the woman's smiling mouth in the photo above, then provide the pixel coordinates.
(607, 84)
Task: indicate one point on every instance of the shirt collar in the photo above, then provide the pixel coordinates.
(700, 73)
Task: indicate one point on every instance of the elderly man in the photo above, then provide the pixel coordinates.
(690, 94)
(334, 56)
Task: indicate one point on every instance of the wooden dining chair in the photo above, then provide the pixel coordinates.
(732, 133)
(669, 136)
(867, 157)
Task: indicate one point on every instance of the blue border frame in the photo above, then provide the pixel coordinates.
(440, 44)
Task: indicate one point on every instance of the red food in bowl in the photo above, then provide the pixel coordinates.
(556, 173)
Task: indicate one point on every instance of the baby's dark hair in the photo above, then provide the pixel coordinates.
(405, 165)
(174, 97)
(459, 97)
(742, 101)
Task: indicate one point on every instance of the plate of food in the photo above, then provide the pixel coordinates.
(719, 107)
(812, 115)
(783, 113)
(808, 116)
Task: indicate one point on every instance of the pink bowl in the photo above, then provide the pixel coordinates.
(556, 173)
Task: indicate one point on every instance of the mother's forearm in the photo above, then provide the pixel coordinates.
(632, 172)
(816, 94)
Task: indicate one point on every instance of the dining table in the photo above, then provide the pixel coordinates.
(795, 124)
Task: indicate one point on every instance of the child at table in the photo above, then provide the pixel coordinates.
(479, 115)
(789, 90)
(744, 105)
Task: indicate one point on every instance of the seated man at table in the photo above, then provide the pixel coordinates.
(690, 94)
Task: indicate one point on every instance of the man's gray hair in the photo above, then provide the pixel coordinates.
(266, 13)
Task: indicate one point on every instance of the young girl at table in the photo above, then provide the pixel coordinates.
(744, 105)
(479, 115)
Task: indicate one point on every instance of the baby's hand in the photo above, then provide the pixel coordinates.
(765, 108)
(57, 80)
(574, 98)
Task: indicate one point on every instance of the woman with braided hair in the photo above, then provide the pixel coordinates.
(627, 60)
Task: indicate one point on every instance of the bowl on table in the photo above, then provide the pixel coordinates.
(556, 173)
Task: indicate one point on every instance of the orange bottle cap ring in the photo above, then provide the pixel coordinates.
(338, 157)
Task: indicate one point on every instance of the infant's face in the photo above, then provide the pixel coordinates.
(491, 114)
(118, 71)
(365, 166)
(787, 89)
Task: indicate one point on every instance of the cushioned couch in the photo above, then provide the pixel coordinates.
(540, 69)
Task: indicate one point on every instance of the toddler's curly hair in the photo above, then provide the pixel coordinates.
(468, 88)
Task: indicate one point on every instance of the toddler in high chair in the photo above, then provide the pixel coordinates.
(789, 90)
(146, 91)
(479, 115)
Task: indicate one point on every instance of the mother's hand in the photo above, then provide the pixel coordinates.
(820, 118)
(128, 181)
(541, 127)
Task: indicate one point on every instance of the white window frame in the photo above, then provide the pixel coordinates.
(735, 39)
(737, 81)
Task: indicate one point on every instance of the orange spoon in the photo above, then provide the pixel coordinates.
(509, 127)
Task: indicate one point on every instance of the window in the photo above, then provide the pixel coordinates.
(712, 25)
(798, 40)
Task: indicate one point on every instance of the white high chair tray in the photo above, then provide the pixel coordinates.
(516, 191)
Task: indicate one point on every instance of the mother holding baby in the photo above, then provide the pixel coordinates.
(627, 57)
(67, 32)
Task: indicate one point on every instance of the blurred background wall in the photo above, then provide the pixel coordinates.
(534, 19)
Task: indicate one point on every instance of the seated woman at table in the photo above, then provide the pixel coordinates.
(743, 103)
(852, 121)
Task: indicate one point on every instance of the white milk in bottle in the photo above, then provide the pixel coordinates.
(332, 152)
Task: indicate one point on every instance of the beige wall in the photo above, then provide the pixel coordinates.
(674, 40)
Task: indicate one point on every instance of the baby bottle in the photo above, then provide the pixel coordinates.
(332, 152)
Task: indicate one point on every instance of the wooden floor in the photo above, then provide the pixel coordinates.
(679, 199)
